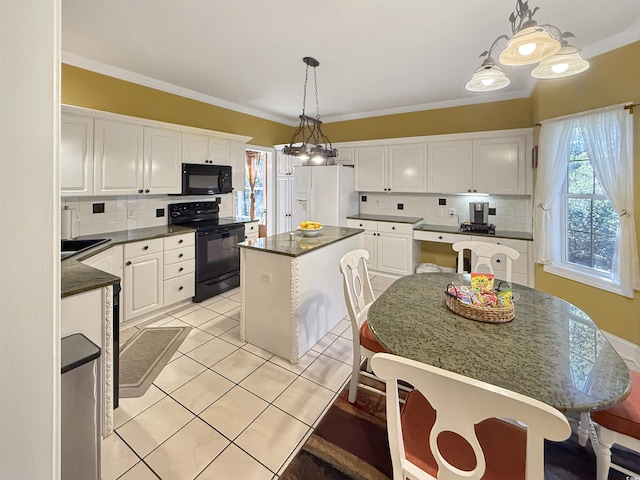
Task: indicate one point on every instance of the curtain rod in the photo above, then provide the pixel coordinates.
(627, 106)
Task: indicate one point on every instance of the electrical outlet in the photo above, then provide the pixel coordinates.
(266, 277)
(442, 201)
(377, 203)
(363, 198)
(492, 211)
(441, 212)
(159, 212)
(452, 211)
(401, 206)
(98, 207)
(131, 213)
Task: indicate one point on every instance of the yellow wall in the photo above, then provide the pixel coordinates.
(614, 78)
(92, 90)
(471, 118)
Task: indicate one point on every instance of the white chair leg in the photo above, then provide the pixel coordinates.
(583, 429)
(355, 376)
(603, 454)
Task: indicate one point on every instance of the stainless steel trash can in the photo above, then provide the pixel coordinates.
(80, 409)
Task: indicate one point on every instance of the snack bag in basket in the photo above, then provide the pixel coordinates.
(482, 281)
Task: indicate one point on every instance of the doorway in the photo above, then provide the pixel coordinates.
(252, 201)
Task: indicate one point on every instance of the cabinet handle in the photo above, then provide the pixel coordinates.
(469, 190)
(360, 224)
(180, 241)
(146, 247)
(140, 191)
(181, 269)
(128, 263)
(180, 288)
(497, 260)
(475, 190)
(393, 228)
(440, 237)
(181, 255)
(146, 191)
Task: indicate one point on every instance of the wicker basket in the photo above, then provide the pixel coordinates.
(481, 314)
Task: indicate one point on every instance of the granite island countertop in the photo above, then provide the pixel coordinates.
(282, 243)
(78, 278)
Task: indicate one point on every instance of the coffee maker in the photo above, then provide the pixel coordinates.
(478, 219)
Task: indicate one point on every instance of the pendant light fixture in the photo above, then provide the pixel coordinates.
(529, 43)
(308, 143)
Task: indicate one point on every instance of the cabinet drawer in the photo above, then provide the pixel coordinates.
(519, 265)
(251, 236)
(438, 237)
(251, 227)
(392, 227)
(366, 224)
(146, 247)
(178, 241)
(179, 254)
(519, 245)
(179, 288)
(179, 268)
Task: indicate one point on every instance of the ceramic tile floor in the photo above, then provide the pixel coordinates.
(222, 408)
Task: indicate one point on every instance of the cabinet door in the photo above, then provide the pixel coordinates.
(371, 169)
(370, 244)
(408, 168)
(76, 155)
(219, 151)
(285, 163)
(118, 158)
(346, 156)
(449, 167)
(284, 204)
(195, 148)
(499, 165)
(238, 164)
(162, 161)
(109, 261)
(394, 253)
(143, 285)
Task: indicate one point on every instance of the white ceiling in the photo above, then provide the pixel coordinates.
(376, 56)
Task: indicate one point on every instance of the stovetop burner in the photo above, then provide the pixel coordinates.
(478, 227)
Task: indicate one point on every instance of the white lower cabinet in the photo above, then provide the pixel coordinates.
(390, 246)
(179, 268)
(143, 287)
(251, 230)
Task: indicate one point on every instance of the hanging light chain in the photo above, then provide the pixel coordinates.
(315, 79)
(304, 97)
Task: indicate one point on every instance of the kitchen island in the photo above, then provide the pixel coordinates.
(291, 286)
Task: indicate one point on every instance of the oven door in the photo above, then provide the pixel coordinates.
(217, 251)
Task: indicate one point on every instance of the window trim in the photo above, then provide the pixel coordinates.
(563, 270)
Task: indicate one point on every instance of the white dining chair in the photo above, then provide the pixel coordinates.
(484, 253)
(619, 424)
(450, 426)
(359, 296)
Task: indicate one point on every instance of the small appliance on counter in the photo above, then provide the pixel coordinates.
(478, 219)
(68, 224)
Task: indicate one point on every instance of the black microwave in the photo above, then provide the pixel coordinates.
(198, 179)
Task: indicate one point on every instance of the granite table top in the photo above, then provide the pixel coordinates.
(297, 244)
(77, 277)
(551, 351)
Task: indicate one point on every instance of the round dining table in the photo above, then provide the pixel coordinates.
(551, 350)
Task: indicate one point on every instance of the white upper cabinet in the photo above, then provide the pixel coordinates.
(118, 158)
(162, 161)
(76, 155)
(480, 165)
(237, 157)
(371, 169)
(499, 165)
(450, 166)
(394, 168)
(285, 164)
(407, 168)
(220, 151)
(195, 148)
(346, 156)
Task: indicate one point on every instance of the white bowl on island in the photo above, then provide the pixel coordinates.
(310, 232)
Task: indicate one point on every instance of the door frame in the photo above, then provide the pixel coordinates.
(271, 184)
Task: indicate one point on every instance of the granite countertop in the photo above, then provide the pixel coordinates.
(385, 218)
(282, 244)
(425, 227)
(551, 350)
(78, 278)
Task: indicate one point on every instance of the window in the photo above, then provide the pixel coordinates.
(243, 198)
(590, 222)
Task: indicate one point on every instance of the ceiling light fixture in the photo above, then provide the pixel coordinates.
(530, 43)
(308, 143)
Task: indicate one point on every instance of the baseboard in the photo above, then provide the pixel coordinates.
(630, 352)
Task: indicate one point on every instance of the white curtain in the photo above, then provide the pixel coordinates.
(608, 136)
(553, 157)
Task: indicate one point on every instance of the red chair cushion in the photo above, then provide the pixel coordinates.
(368, 339)
(623, 417)
(503, 444)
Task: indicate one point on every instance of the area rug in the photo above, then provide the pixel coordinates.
(350, 442)
(145, 355)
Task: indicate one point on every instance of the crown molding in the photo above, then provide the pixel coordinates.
(126, 75)
(620, 39)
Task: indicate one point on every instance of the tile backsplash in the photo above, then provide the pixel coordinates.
(131, 212)
(512, 212)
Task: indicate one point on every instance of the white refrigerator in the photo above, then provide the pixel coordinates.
(325, 194)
